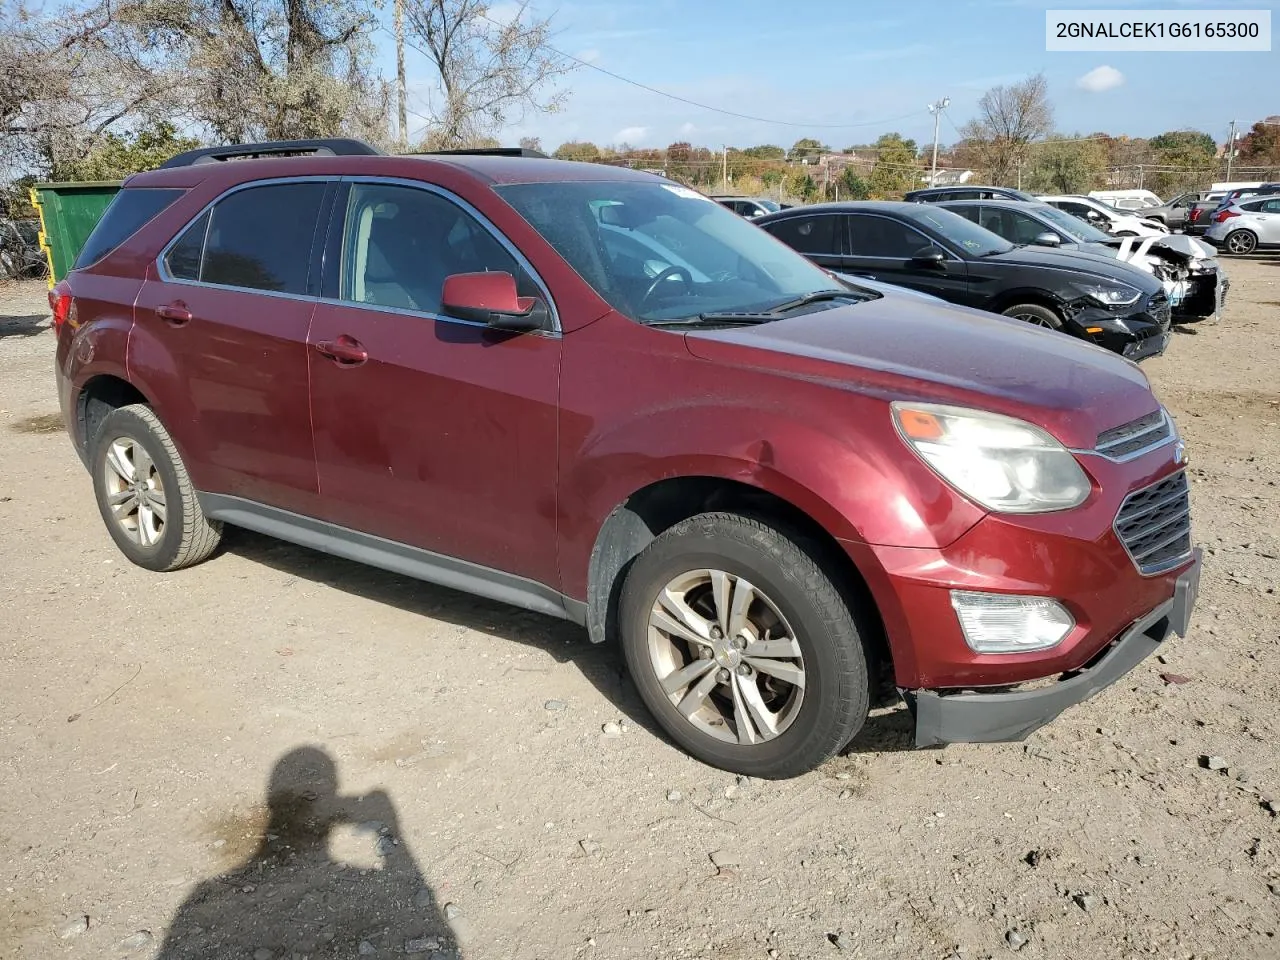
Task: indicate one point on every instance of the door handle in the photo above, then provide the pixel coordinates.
(175, 313)
(345, 351)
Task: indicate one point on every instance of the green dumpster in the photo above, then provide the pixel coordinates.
(68, 214)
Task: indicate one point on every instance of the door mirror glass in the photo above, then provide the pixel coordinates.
(491, 298)
(928, 257)
(1047, 239)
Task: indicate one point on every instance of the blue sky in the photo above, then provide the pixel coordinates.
(868, 63)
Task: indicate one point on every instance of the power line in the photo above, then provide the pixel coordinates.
(707, 106)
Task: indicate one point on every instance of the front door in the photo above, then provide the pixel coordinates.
(889, 250)
(444, 436)
(228, 306)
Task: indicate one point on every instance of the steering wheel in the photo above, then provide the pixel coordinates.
(663, 277)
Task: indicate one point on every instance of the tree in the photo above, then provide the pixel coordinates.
(122, 154)
(1260, 147)
(1067, 164)
(896, 170)
(489, 71)
(1009, 119)
(1190, 156)
(767, 151)
(531, 143)
(852, 186)
(807, 149)
(577, 150)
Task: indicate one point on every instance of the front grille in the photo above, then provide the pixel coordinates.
(1154, 524)
(1136, 437)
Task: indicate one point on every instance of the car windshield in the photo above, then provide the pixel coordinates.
(770, 205)
(660, 251)
(974, 240)
(1071, 225)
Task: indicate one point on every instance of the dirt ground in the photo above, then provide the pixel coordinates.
(442, 782)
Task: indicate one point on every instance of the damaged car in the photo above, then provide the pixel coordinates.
(925, 247)
(1193, 279)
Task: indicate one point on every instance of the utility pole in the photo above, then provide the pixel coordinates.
(724, 168)
(1231, 150)
(936, 109)
(402, 128)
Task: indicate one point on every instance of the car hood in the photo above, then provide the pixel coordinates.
(900, 347)
(1079, 260)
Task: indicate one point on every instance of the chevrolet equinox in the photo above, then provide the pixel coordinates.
(595, 394)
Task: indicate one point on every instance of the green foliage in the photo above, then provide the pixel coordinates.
(767, 151)
(117, 155)
(852, 186)
(807, 148)
(577, 150)
(801, 185)
(896, 169)
(1067, 164)
(1190, 153)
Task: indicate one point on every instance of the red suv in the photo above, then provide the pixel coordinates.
(599, 395)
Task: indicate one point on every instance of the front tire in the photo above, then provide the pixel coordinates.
(1241, 242)
(742, 647)
(145, 495)
(1034, 313)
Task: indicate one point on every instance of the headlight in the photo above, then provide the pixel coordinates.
(1004, 464)
(1110, 294)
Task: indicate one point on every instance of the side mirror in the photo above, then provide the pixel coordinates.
(1047, 239)
(491, 298)
(929, 257)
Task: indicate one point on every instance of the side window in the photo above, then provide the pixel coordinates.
(807, 234)
(127, 213)
(872, 236)
(1271, 206)
(973, 213)
(1253, 206)
(970, 195)
(183, 258)
(261, 237)
(399, 244)
(1019, 228)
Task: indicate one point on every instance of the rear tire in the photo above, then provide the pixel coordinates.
(145, 495)
(1241, 242)
(740, 585)
(1034, 313)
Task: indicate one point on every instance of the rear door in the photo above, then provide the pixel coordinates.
(444, 436)
(885, 249)
(222, 322)
(1268, 220)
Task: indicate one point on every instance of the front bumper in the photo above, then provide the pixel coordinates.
(975, 716)
(1136, 336)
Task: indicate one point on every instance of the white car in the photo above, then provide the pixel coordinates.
(1108, 218)
(1246, 226)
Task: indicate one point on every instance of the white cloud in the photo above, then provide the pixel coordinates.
(504, 13)
(687, 128)
(590, 55)
(631, 135)
(1101, 79)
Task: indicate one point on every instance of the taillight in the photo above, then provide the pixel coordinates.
(60, 304)
(1194, 215)
(1222, 215)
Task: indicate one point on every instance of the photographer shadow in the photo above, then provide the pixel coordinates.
(291, 898)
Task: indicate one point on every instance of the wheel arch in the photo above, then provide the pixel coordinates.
(648, 512)
(97, 397)
(1041, 298)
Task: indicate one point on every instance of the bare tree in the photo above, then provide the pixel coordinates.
(1009, 119)
(489, 71)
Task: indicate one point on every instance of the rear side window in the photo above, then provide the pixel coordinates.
(1271, 206)
(969, 213)
(259, 238)
(127, 213)
(807, 234)
(872, 236)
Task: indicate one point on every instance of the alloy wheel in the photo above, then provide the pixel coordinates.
(1241, 241)
(1034, 320)
(135, 491)
(726, 657)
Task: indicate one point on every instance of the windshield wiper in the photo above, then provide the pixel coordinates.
(774, 312)
(743, 319)
(816, 297)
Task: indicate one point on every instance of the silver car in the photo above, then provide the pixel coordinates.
(1247, 225)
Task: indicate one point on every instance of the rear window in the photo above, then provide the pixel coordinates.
(127, 213)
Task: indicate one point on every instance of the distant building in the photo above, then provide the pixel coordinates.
(948, 178)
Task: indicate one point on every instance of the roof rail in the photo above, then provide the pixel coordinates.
(329, 147)
(484, 151)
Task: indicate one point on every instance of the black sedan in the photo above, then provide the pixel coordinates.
(1188, 268)
(928, 248)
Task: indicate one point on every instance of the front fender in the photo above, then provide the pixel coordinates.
(851, 474)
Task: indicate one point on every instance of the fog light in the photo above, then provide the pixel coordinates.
(1006, 623)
